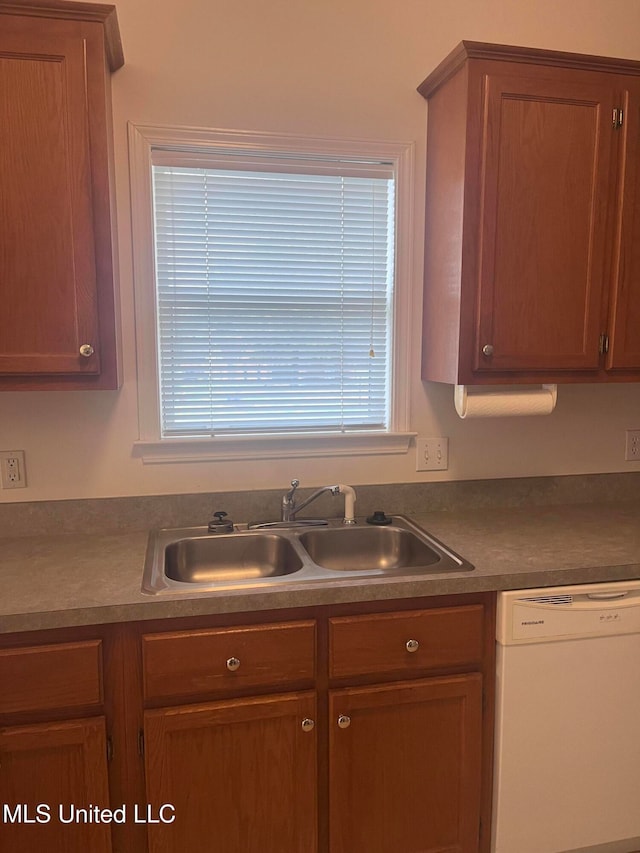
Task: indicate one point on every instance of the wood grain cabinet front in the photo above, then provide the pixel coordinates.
(51, 775)
(49, 677)
(55, 725)
(531, 245)
(354, 728)
(405, 643)
(240, 774)
(187, 663)
(406, 756)
(405, 765)
(57, 267)
(368, 732)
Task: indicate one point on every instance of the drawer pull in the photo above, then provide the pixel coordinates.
(307, 725)
(412, 645)
(343, 721)
(86, 350)
(233, 664)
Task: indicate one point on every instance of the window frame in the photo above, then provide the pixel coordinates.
(151, 446)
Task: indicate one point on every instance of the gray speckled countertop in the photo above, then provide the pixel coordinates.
(70, 579)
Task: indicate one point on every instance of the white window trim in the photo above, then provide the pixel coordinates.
(143, 139)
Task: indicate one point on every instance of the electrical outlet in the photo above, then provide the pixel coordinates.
(632, 446)
(12, 471)
(432, 454)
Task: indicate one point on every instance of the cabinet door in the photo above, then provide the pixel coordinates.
(624, 346)
(405, 766)
(241, 775)
(47, 770)
(546, 190)
(47, 262)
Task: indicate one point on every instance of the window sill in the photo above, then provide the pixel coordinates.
(171, 450)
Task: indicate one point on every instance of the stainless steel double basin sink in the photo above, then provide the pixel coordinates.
(191, 560)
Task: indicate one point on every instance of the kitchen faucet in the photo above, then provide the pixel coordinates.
(290, 508)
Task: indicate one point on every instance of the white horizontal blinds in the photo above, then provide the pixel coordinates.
(274, 298)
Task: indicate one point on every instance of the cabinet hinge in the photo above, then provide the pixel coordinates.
(618, 117)
(109, 748)
(141, 743)
(603, 346)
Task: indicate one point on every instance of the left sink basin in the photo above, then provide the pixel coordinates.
(217, 562)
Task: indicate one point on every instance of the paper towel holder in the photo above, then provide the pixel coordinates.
(460, 399)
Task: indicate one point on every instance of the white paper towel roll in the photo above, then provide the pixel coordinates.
(502, 404)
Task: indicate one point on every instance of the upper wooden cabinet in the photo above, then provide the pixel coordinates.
(57, 265)
(532, 258)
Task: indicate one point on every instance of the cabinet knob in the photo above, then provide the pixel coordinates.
(412, 645)
(307, 725)
(86, 350)
(233, 664)
(343, 721)
(487, 350)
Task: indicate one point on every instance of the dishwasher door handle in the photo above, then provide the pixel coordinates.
(607, 596)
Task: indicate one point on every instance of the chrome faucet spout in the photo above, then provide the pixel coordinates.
(335, 490)
(290, 507)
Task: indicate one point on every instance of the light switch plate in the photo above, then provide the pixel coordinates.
(432, 454)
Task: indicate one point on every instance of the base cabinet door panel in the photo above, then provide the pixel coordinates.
(240, 774)
(405, 766)
(48, 773)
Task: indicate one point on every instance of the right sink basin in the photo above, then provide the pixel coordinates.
(356, 549)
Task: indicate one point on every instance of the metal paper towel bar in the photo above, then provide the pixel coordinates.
(502, 403)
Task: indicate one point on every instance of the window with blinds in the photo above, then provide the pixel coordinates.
(274, 294)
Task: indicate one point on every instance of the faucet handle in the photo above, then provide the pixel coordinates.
(294, 486)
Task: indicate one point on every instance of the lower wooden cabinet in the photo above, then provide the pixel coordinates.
(62, 707)
(240, 775)
(405, 766)
(48, 772)
(361, 728)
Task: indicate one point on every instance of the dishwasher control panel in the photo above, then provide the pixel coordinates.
(553, 613)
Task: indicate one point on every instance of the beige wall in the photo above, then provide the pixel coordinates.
(335, 68)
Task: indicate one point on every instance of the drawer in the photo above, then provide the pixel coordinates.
(404, 642)
(226, 659)
(40, 678)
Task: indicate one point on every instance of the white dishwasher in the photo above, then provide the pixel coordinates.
(567, 747)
